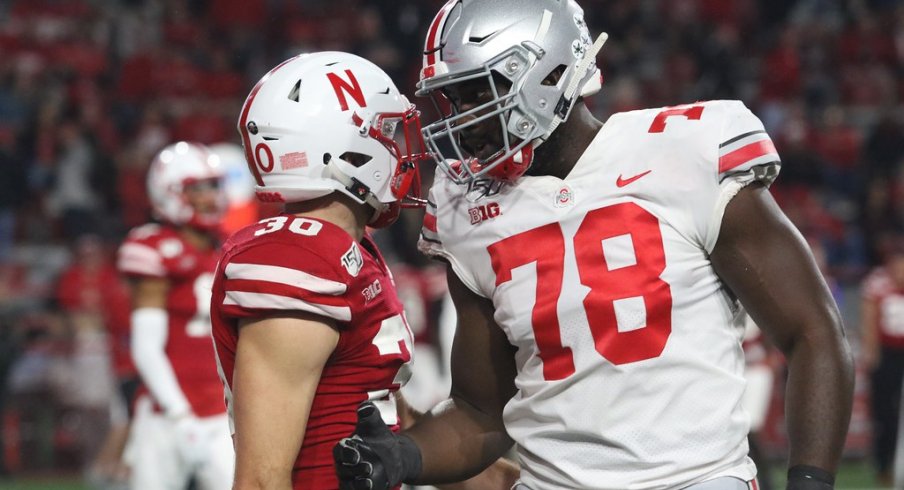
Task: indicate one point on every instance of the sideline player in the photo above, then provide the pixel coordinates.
(882, 351)
(595, 270)
(181, 429)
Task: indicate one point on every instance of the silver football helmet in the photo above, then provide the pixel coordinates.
(525, 42)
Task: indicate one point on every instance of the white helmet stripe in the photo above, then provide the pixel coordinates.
(544, 27)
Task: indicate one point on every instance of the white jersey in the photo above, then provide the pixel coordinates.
(630, 372)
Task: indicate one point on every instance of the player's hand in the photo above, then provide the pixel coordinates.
(375, 458)
(190, 439)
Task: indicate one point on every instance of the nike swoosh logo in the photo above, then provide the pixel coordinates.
(623, 182)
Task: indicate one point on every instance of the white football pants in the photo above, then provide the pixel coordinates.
(157, 463)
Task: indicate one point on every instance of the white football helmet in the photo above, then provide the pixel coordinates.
(523, 42)
(171, 171)
(332, 121)
(238, 184)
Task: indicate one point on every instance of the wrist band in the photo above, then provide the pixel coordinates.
(803, 477)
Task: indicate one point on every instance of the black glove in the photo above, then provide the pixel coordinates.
(374, 457)
(802, 477)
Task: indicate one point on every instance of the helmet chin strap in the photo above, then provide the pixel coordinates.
(580, 70)
(358, 189)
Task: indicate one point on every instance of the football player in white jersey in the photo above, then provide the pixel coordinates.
(596, 269)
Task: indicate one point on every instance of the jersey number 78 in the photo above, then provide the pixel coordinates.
(545, 246)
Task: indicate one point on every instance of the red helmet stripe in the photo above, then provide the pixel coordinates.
(434, 37)
(243, 122)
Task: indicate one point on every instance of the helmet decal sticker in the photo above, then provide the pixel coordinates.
(351, 87)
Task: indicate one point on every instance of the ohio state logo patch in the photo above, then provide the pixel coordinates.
(564, 197)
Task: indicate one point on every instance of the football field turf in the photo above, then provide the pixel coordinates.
(854, 475)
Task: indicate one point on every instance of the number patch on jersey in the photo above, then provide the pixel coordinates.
(299, 226)
(394, 337)
(693, 113)
(612, 283)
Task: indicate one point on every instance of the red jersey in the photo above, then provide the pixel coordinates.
(89, 289)
(880, 289)
(160, 251)
(287, 263)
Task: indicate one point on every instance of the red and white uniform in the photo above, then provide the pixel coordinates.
(159, 454)
(880, 289)
(285, 264)
(630, 371)
(158, 251)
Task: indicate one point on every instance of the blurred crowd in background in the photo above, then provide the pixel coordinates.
(90, 90)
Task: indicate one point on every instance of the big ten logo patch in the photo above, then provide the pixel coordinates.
(371, 292)
(484, 212)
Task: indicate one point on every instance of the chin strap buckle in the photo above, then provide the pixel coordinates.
(357, 188)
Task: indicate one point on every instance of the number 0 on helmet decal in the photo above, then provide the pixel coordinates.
(268, 166)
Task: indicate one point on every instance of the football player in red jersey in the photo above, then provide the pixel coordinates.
(882, 351)
(596, 268)
(180, 429)
(307, 324)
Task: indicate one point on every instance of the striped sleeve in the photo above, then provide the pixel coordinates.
(140, 259)
(746, 150)
(430, 243)
(745, 155)
(254, 284)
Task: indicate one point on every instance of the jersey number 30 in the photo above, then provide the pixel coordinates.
(545, 246)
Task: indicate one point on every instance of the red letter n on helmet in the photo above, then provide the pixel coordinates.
(351, 87)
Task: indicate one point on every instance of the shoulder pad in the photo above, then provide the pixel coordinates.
(147, 249)
(270, 267)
